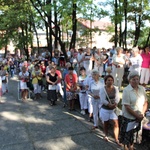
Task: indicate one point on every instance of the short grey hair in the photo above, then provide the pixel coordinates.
(68, 64)
(135, 49)
(94, 71)
(119, 48)
(132, 74)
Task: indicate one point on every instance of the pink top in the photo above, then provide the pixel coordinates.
(146, 60)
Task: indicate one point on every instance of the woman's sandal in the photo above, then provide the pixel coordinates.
(118, 143)
(106, 138)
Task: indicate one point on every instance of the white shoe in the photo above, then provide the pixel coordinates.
(82, 112)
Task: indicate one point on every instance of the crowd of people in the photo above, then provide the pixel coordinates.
(95, 78)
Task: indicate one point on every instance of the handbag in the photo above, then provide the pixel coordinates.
(117, 110)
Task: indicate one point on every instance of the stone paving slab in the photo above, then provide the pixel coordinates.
(56, 129)
(19, 146)
(85, 141)
(37, 126)
(9, 135)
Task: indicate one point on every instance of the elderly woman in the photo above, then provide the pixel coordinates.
(135, 61)
(87, 61)
(134, 106)
(109, 100)
(71, 87)
(87, 83)
(80, 57)
(118, 67)
(94, 89)
(98, 58)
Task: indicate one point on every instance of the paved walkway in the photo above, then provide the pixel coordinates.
(35, 125)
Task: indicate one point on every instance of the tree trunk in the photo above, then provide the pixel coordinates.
(120, 34)
(49, 29)
(138, 22)
(137, 30)
(74, 26)
(56, 22)
(5, 51)
(26, 42)
(120, 25)
(125, 28)
(47, 35)
(36, 33)
(116, 23)
(91, 41)
(24, 46)
(125, 5)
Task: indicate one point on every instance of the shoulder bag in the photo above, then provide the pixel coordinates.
(117, 110)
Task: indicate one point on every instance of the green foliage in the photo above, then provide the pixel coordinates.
(15, 18)
(27, 14)
(138, 13)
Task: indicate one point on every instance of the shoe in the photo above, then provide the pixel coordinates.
(118, 143)
(65, 105)
(106, 138)
(51, 104)
(94, 127)
(90, 119)
(34, 98)
(23, 100)
(82, 112)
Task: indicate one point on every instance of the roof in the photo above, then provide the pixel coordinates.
(102, 25)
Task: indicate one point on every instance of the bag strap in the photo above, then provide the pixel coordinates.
(107, 95)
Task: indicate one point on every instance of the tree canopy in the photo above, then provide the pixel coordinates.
(20, 19)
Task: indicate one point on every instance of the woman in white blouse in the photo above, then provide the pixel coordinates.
(94, 89)
(135, 61)
(134, 106)
(118, 67)
(87, 61)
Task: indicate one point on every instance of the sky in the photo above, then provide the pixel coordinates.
(105, 18)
